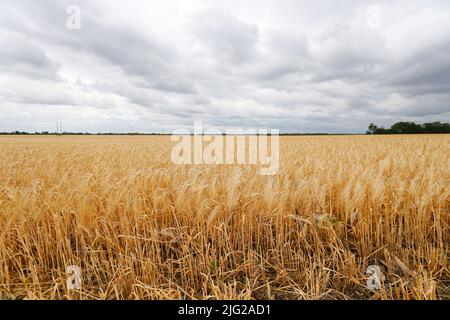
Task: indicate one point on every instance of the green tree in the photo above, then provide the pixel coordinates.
(411, 128)
(372, 128)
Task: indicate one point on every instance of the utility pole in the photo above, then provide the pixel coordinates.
(59, 128)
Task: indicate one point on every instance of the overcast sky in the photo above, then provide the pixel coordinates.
(297, 66)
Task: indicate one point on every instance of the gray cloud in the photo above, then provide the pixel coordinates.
(290, 65)
(19, 55)
(230, 41)
(427, 71)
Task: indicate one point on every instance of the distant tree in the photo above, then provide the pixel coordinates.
(382, 130)
(406, 128)
(411, 128)
(372, 128)
(436, 127)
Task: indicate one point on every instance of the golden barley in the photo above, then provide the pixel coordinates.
(141, 227)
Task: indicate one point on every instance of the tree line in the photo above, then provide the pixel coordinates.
(410, 128)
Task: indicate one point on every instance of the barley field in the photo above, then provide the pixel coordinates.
(141, 227)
